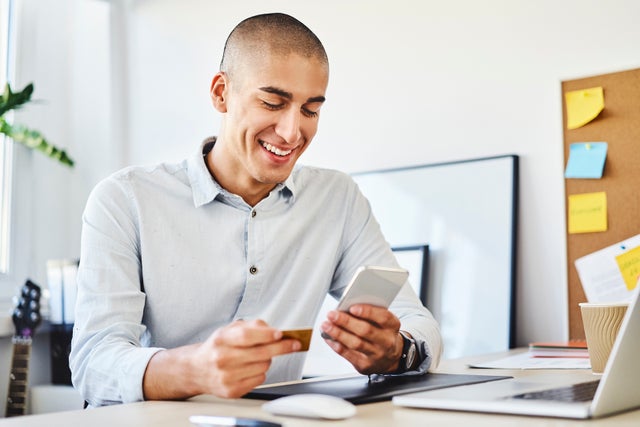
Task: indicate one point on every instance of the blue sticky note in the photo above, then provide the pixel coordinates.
(586, 160)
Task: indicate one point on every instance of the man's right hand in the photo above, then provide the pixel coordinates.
(230, 363)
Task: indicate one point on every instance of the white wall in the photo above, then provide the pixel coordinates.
(64, 48)
(412, 82)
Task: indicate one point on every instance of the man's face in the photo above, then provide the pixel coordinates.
(272, 111)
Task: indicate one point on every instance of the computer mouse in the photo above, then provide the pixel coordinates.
(311, 405)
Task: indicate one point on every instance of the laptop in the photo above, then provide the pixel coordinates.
(616, 390)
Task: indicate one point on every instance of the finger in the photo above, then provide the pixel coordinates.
(361, 362)
(242, 356)
(246, 334)
(251, 370)
(366, 358)
(346, 338)
(280, 347)
(377, 315)
(237, 383)
(376, 325)
(240, 371)
(236, 370)
(369, 339)
(347, 324)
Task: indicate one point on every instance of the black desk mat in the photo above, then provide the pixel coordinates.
(361, 389)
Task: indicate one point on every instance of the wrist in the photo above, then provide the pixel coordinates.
(169, 375)
(409, 358)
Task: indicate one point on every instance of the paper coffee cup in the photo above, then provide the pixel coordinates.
(601, 323)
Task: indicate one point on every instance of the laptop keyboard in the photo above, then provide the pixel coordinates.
(582, 392)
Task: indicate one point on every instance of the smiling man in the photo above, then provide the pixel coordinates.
(270, 88)
(190, 271)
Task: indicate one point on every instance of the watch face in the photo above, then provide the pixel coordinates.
(411, 355)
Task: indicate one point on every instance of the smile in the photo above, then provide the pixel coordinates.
(275, 150)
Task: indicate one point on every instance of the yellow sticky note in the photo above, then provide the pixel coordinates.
(583, 106)
(629, 265)
(587, 212)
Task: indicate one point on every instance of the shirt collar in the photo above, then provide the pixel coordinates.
(288, 188)
(205, 188)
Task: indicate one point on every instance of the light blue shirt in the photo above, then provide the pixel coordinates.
(168, 256)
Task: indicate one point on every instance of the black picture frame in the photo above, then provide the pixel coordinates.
(416, 260)
(466, 212)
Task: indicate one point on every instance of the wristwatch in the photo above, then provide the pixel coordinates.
(409, 353)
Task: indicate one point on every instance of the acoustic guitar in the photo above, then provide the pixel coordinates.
(26, 317)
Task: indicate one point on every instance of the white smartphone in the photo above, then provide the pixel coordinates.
(373, 285)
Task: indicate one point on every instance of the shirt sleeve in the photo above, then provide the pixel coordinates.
(365, 244)
(420, 323)
(108, 358)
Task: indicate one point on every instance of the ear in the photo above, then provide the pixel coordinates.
(219, 91)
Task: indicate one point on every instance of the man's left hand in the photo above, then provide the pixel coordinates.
(367, 336)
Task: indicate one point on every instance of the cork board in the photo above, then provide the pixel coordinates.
(618, 125)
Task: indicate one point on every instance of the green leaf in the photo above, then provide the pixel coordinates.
(33, 139)
(11, 100)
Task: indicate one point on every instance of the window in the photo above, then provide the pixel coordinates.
(6, 146)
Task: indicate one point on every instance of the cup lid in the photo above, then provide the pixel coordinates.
(603, 304)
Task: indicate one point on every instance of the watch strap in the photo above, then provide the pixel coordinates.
(409, 348)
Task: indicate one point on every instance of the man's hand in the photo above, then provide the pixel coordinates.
(367, 337)
(230, 363)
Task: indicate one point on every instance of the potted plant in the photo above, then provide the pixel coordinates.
(31, 138)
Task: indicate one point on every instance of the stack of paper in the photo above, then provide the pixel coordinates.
(524, 360)
(573, 348)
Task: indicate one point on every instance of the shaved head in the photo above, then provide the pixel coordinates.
(270, 88)
(270, 34)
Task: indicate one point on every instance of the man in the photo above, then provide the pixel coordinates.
(190, 271)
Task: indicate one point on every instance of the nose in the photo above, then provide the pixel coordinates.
(288, 126)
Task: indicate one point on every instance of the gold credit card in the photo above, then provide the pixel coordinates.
(302, 335)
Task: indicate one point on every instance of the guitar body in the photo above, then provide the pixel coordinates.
(26, 317)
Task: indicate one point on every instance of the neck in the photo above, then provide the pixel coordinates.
(225, 173)
(18, 378)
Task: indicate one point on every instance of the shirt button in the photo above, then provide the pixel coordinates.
(253, 269)
(253, 214)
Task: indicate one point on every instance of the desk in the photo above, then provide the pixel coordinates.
(383, 414)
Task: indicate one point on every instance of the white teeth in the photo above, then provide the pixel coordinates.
(275, 150)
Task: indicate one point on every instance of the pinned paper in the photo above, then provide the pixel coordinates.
(586, 160)
(629, 265)
(600, 273)
(583, 106)
(587, 212)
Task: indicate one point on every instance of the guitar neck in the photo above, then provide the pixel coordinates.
(18, 379)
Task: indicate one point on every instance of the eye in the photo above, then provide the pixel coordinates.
(271, 106)
(309, 113)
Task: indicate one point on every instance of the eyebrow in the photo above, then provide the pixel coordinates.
(289, 95)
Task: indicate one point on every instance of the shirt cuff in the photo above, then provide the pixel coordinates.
(425, 364)
(132, 374)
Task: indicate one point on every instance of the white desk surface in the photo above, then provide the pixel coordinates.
(383, 414)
